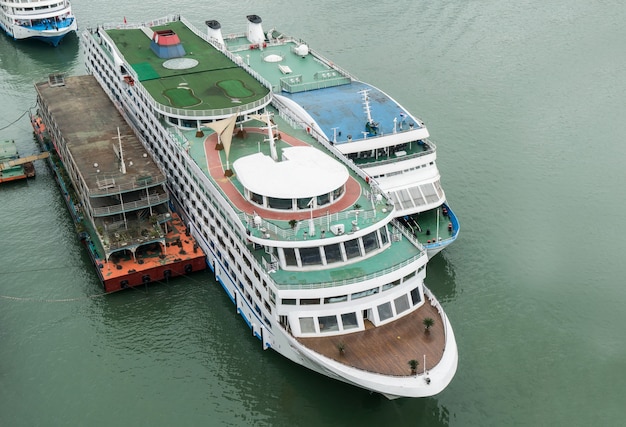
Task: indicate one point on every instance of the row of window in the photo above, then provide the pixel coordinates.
(347, 321)
(294, 204)
(334, 253)
(354, 296)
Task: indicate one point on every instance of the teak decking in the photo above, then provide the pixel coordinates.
(387, 349)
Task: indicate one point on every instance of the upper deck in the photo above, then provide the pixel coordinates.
(203, 82)
(93, 131)
(345, 109)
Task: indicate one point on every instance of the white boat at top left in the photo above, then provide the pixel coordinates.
(45, 20)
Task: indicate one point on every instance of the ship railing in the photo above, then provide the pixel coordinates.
(108, 186)
(435, 303)
(405, 231)
(351, 280)
(180, 112)
(321, 222)
(144, 202)
(186, 113)
(391, 160)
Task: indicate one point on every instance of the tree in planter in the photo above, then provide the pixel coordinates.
(341, 346)
(428, 322)
(413, 363)
(293, 223)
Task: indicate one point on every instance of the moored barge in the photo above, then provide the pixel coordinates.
(113, 189)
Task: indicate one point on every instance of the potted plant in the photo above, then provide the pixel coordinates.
(341, 346)
(292, 223)
(428, 322)
(413, 363)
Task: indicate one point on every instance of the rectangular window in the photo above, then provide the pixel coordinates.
(401, 303)
(307, 325)
(352, 248)
(288, 301)
(290, 257)
(333, 253)
(383, 235)
(331, 300)
(362, 294)
(328, 323)
(349, 321)
(310, 256)
(309, 301)
(415, 296)
(384, 311)
(370, 242)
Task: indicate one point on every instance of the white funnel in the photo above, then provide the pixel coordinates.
(255, 30)
(215, 31)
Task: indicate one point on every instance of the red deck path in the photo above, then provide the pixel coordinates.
(214, 164)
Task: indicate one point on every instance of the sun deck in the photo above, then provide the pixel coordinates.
(213, 83)
(387, 349)
(338, 104)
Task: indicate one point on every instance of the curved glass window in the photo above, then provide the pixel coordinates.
(283, 204)
(290, 257)
(383, 235)
(370, 242)
(304, 203)
(256, 198)
(338, 192)
(333, 253)
(352, 248)
(310, 256)
(324, 199)
(415, 296)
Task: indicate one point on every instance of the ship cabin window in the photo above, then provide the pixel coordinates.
(324, 199)
(256, 198)
(290, 257)
(331, 300)
(333, 253)
(307, 325)
(349, 321)
(282, 204)
(191, 124)
(310, 256)
(401, 303)
(303, 203)
(384, 238)
(370, 242)
(363, 294)
(328, 323)
(408, 276)
(391, 285)
(338, 192)
(288, 301)
(415, 296)
(353, 248)
(384, 311)
(309, 301)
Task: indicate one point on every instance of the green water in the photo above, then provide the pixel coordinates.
(525, 101)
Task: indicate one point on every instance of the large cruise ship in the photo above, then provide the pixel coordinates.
(48, 21)
(304, 243)
(352, 119)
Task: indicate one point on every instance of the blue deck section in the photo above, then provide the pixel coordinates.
(343, 108)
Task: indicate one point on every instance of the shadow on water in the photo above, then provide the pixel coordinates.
(34, 59)
(441, 277)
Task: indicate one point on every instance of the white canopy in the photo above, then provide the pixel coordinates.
(304, 172)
